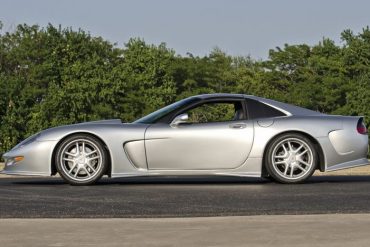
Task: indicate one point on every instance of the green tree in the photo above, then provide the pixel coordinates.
(142, 81)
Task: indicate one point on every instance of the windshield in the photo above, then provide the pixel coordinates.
(155, 116)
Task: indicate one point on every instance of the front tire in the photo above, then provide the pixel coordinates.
(81, 159)
(291, 158)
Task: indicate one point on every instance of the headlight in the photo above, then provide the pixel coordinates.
(13, 161)
(27, 141)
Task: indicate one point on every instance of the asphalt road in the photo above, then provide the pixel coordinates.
(179, 197)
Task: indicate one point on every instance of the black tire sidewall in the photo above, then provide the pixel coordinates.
(69, 139)
(268, 162)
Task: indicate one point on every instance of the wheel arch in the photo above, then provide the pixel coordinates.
(318, 148)
(53, 165)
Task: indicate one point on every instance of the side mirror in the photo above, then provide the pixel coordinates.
(182, 118)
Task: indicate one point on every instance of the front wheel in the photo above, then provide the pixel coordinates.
(81, 160)
(291, 158)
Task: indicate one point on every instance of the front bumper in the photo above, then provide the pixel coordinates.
(37, 159)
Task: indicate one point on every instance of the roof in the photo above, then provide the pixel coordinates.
(284, 107)
(220, 95)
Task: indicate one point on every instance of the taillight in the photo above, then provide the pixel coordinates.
(361, 127)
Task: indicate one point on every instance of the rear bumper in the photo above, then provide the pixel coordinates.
(344, 150)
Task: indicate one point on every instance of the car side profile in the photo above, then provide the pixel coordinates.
(211, 134)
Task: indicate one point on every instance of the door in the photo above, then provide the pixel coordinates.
(215, 136)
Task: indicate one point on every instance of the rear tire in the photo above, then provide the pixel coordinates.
(291, 158)
(81, 159)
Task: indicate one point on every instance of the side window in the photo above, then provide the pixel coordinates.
(216, 112)
(259, 110)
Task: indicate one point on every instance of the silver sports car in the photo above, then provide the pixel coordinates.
(213, 134)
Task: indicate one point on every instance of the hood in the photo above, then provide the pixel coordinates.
(57, 132)
(109, 121)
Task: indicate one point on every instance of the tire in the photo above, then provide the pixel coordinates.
(81, 159)
(269, 178)
(291, 158)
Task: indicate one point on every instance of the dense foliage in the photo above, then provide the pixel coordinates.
(52, 76)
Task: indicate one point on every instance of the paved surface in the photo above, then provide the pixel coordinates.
(276, 231)
(175, 197)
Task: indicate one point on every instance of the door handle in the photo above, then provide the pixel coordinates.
(238, 126)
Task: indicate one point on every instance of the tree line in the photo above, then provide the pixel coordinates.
(51, 76)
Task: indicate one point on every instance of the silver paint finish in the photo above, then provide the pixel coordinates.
(224, 145)
(135, 151)
(265, 122)
(230, 148)
(182, 118)
(37, 159)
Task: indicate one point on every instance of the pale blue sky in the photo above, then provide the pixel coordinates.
(237, 27)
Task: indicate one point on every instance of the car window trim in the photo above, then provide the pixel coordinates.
(205, 101)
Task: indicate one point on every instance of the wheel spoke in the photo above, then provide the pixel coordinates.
(73, 167)
(77, 149)
(286, 169)
(305, 151)
(83, 147)
(290, 146)
(77, 171)
(280, 162)
(87, 172)
(70, 154)
(285, 150)
(92, 152)
(291, 171)
(67, 159)
(90, 167)
(94, 158)
(299, 148)
(301, 168)
(304, 163)
(279, 156)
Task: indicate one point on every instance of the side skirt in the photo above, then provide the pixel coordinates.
(349, 164)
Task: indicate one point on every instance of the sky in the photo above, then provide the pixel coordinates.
(197, 26)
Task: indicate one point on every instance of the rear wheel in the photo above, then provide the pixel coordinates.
(81, 159)
(291, 158)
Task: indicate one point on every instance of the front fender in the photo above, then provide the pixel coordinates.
(36, 161)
